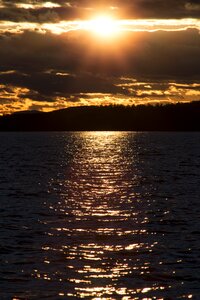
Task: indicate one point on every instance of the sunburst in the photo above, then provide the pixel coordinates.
(103, 26)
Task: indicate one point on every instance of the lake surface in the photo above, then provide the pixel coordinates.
(99, 215)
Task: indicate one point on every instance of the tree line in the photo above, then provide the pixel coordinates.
(169, 117)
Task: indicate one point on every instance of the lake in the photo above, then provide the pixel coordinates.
(100, 215)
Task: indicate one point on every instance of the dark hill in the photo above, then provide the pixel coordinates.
(171, 117)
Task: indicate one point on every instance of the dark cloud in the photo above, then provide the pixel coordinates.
(84, 9)
(160, 9)
(50, 85)
(157, 54)
(38, 15)
(68, 65)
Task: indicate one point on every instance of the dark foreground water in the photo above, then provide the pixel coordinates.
(99, 215)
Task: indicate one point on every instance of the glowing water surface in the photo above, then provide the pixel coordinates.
(100, 215)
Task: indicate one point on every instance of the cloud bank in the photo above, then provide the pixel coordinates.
(52, 11)
(48, 61)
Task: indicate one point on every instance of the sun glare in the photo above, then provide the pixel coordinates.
(103, 26)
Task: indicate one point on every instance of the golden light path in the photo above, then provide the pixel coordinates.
(101, 243)
(94, 264)
(103, 25)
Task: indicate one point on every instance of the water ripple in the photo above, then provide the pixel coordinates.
(99, 215)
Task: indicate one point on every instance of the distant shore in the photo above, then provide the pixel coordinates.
(169, 117)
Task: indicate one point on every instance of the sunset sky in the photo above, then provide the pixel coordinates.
(56, 54)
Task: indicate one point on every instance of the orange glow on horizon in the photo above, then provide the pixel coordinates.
(103, 25)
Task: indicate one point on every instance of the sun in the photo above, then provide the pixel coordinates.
(103, 26)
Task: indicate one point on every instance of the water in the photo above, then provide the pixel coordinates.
(100, 215)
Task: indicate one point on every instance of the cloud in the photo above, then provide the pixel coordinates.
(159, 9)
(53, 84)
(49, 62)
(147, 54)
(49, 11)
(55, 71)
(194, 7)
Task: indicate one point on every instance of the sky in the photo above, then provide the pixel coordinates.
(57, 54)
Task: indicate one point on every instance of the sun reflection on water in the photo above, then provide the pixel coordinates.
(100, 233)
